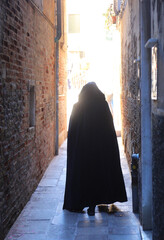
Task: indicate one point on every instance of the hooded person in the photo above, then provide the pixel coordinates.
(94, 174)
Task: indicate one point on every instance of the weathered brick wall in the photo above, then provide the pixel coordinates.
(157, 31)
(2, 74)
(130, 83)
(27, 58)
(131, 103)
(130, 94)
(63, 77)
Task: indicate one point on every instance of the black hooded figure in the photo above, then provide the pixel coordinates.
(94, 174)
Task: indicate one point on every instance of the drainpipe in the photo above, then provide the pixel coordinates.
(57, 38)
(146, 141)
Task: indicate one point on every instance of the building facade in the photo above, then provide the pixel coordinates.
(28, 99)
(141, 25)
(157, 33)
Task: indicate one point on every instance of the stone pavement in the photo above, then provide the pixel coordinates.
(43, 217)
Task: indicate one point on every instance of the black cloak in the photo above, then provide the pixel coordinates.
(94, 173)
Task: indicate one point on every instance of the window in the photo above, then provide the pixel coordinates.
(74, 23)
(82, 54)
(32, 106)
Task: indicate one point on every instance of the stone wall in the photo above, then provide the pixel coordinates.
(158, 176)
(130, 90)
(27, 92)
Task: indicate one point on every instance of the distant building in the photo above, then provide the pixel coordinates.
(77, 64)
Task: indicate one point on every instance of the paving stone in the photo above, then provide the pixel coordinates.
(43, 214)
(98, 216)
(116, 229)
(44, 204)
(123, 222)
(64, 219)
(60, 233)
(29, 227)
(38, 196)
(44, 219)
(102, 215)
(45, 189)
(57, 168)
(92, 237)
(127, 215)
(92, 231)
(125, 208)
(124, 237)
(27, 237)
(48, 182)
(92, 223)
(62, 178)
(59, 208)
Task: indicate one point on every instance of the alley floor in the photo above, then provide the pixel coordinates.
(44, 219)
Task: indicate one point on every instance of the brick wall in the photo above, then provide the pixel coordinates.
(130, 94)
(130, 35)
(63, 77)
(27, 60)
(130, 83)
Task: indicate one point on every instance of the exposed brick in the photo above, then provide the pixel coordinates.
(27, 57)
(62, 82)
(130, 83)
(130, 95)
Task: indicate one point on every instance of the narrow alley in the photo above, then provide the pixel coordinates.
(49, 50)
(44, 219)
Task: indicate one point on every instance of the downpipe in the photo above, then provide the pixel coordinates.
(57, 38)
